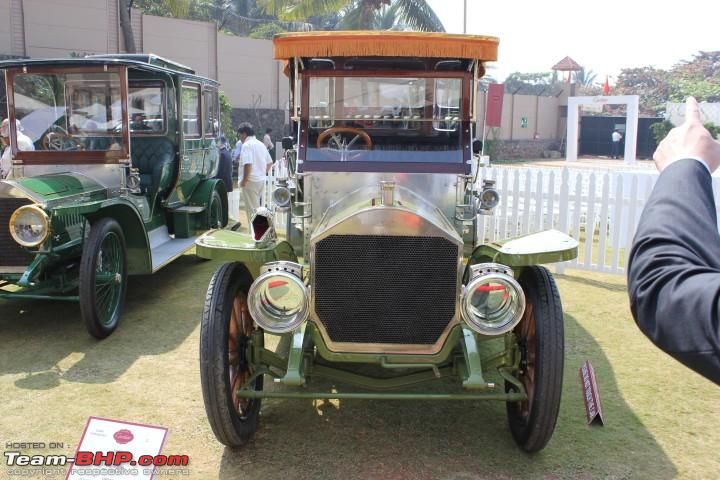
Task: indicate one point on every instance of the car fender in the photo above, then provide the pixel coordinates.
(136, 240)
(203, 193)
(549, 246)
(227, 245)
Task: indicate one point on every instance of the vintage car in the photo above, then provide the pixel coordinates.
(114, 177)
(368, 264)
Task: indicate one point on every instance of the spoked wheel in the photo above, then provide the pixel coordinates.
(541, 342)
(224, 340)
(103, 278)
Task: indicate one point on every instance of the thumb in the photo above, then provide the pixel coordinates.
(692, 110)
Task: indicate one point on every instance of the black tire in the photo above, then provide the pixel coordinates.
(233, 420)
(103, 278)
(217, 211)
(532, 422)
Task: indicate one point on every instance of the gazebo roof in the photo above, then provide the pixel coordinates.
(567, 64)
(385, 44)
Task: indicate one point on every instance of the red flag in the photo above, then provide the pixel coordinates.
(606, 86)
(493, 112)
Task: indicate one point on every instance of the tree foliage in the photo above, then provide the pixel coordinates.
(226, 119)
(267, 30)
(360, 14)
(534, 83)
(164, 8)
(585, 78)
(698, 77)
(651, 84)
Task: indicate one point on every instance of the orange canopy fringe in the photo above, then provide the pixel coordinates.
(385, 44)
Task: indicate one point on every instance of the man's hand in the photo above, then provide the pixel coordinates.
(690, 139)
(247, 168)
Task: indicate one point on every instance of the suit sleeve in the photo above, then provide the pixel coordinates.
(674, 268)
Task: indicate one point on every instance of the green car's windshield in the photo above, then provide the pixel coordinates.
(385, 119)
(69, 111)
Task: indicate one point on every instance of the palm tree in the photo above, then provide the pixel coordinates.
(360, 14)
(585, 78)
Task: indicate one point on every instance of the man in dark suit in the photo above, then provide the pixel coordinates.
(224, 172)
(674, 267)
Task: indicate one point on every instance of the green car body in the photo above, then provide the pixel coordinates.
(124, 154)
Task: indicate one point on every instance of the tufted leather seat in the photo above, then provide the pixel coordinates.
(154, 158)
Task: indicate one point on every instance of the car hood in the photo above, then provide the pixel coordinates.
(53, 187)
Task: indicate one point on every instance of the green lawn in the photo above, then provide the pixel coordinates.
(662, 421)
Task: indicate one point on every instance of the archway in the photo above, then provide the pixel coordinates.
(631, 121)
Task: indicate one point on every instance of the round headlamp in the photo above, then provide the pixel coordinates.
(29, 226)
(489, 199)
(492, 302)
(281, 197)
(278, 298)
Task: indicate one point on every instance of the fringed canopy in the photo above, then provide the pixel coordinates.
(384, 44)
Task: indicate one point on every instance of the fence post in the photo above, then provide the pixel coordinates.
(590, 222)
(563, 210)
(603, 221)
(616, 224)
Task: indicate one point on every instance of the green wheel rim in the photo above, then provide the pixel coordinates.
(109, 278)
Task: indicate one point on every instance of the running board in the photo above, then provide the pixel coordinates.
(188, 209)
(164, 248)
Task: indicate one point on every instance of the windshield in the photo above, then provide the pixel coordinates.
(69, 111)
(385, 119)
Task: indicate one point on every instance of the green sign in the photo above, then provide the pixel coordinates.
(523, 122)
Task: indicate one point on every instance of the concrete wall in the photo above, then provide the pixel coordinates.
(5, 25)
(188, 42)
(57, 28)
(542, 114)
(248, 75)
(709, 112)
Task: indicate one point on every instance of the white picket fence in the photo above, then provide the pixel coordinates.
(599, 208)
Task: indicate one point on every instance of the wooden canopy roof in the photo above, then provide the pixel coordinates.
(567, 64)
(384, 44)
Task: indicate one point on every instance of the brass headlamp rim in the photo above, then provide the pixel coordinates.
(46, 224)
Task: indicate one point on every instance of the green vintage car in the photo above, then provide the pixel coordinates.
(368, 269)
(109, 164)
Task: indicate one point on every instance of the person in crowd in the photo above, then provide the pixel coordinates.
(236, 157)
(23, 142)
(267, 140)
(674, 264)
(616, 138)
(224, 172)
(256, 163)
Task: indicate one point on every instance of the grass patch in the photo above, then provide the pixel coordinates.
(662, 420)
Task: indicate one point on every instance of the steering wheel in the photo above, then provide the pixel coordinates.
(347, 142)
(60, 140)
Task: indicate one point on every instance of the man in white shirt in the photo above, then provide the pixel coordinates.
(616, 137)
(255, 164)
(23, 141)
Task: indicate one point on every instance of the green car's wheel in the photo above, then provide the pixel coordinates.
(103, 277)
(540, 337)
(224, 339)
(216, 215)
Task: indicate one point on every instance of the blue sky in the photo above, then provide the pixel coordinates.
(602, 35)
